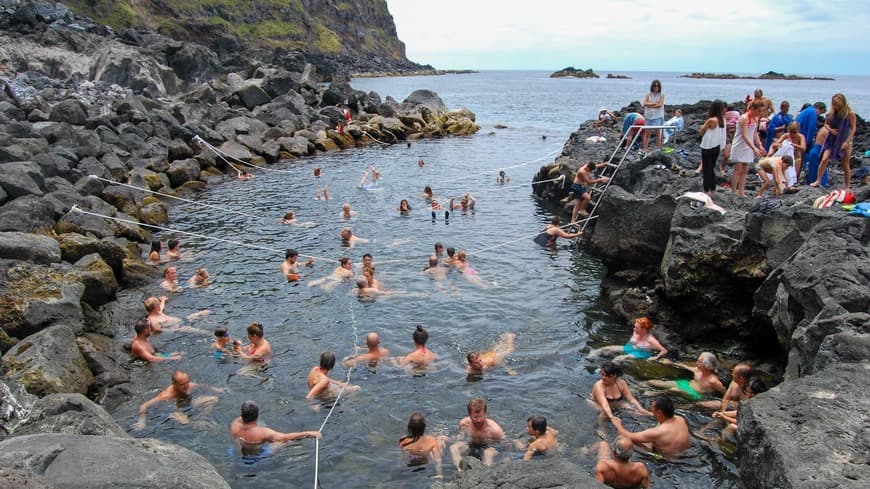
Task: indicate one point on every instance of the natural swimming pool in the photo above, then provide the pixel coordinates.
(549, 298)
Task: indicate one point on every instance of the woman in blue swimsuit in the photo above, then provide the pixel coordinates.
(642, 345)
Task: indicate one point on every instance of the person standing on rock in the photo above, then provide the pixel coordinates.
(841, 123)
(747, 145)
(712, 141)
(142, 349)
(654, 113)
(583, 179)
(615, 467)
(253, 440)
(180, 391)
(670, 437)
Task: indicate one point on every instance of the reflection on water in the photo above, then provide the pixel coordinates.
(548, 297)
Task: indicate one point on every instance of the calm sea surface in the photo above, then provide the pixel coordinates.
(549, 298)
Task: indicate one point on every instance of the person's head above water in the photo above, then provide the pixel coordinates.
(664, 406)
(250, 412)
(372, 340)
(416, 425)
(141, 326)
(255, 330)
(421, 336)
(622, 448)
(327, 360)
(433, 261)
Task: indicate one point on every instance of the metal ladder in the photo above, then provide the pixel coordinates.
(598, 190)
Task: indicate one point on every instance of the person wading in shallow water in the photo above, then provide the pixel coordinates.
(250, 438)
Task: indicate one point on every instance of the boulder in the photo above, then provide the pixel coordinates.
(280, 83)
(36, 296)
(253, 96)
(15, 406)
(98, 462)
(808, 433)
(33, 247)
(194, 62)
(48, 362)
(309, 77)
(183, 171)
(55, 165)
(89, 186)
(110, 366)
(70, 111)
(22, 479)
(122, 198)
(21, 178)
(426, 98)
(98, 279)
(73, 246)
(72, 414)
(552, 472)
(296, 145)
(26, 214)
(22, 149)
(155, 213)
(236, 150)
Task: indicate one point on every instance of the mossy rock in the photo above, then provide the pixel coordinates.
(154, 214)
(150, 199)
(325, 144)
(73, 246)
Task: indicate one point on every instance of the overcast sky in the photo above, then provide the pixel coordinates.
(745, 36)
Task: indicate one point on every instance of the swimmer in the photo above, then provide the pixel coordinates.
(461, 264)
(420, 162)
(289, 218)
(348, 239)
(421, 357)
(478, 362)
(737, 390)
(199, 279)
(704, 381)
(170, 279)
(244, 175)
(142, 348)
(439, 249)
(476, 433)
(342, 272)
(544, 442)
(322, 193)
(223, 342)
(258, 350)
(376, 175)
(612, 389)
(435, 270)
(552, 232)
(347, 212)
(320, 384)
(451, 257)
(249, 436)
(404, 208)
(362, 183)
(420, 447)
(363, 289)
(376, 352)
(669, 437)
(466, 203)
(180, 391)
(615, 467)
(502, 178)
(156, 317)
(642, 345)
(369, 276)
(174, 251)
(290, 265)
(154, 255)
(427, 193)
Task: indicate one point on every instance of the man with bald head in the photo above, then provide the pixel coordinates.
(375, 353)
(615, 467)
(180, 391)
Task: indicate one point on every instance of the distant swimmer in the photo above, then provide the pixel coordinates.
(404, 208)
(199, 279)
(466, 203)
(670, 437)
(170, 279)
(174, 251)
(290, 265)
(420, 162)
(478, 362)
(244, 175)
(342, 272)
(420, 447)
(434, 269)
(319, 383)
(349, 240)
(250, 438)
(421, 357)
(289, 218)
(642, 345)
(374, 354)
(154, 257)
(156, 317)
(615, 467)
(179, 390)
(502, 178)
(347, 212)
(427, 193)
(544, 441)
(363, 289)
(258, 350)
(142, 348)
(470, 274)
(552, 232)
(363, 185)
(223, 342)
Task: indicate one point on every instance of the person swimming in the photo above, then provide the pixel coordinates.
(420, 447)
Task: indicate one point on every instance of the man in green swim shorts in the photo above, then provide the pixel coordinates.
(704, 381)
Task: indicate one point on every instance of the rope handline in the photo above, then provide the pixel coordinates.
(143, 189)
(223, 155)
(376, 139)
(504, 187)
(526, 237)
(75, 208)
(337, 398)
(465, 177)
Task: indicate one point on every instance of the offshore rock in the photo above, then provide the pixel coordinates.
(808, 433)
(98, 462)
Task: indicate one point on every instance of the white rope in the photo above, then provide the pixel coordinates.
(222, 155)
(143, 189)
(337, 398)
(473, 175)
(505, 187)
(75, 208)
(527, 237)
(375, 139)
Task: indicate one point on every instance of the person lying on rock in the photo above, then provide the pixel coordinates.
(142, 348)
(670, 437)
(180, 391)
(704, 381)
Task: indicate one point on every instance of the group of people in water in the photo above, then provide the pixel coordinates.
(478, 435)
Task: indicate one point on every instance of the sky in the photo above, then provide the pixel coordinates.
(722, 36)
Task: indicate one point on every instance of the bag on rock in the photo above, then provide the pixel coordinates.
(835, 197)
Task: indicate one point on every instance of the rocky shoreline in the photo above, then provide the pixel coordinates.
(792, 282)
(77, 101)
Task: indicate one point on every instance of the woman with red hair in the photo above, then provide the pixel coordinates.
(642, 344)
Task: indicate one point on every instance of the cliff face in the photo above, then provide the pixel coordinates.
(346, 30)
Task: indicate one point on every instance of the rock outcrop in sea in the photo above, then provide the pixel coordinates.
(574, 72)
(82, 107)
(794, 280)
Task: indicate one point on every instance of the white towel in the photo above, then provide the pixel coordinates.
(702, 197)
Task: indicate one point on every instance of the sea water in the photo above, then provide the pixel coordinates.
(548, 297)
